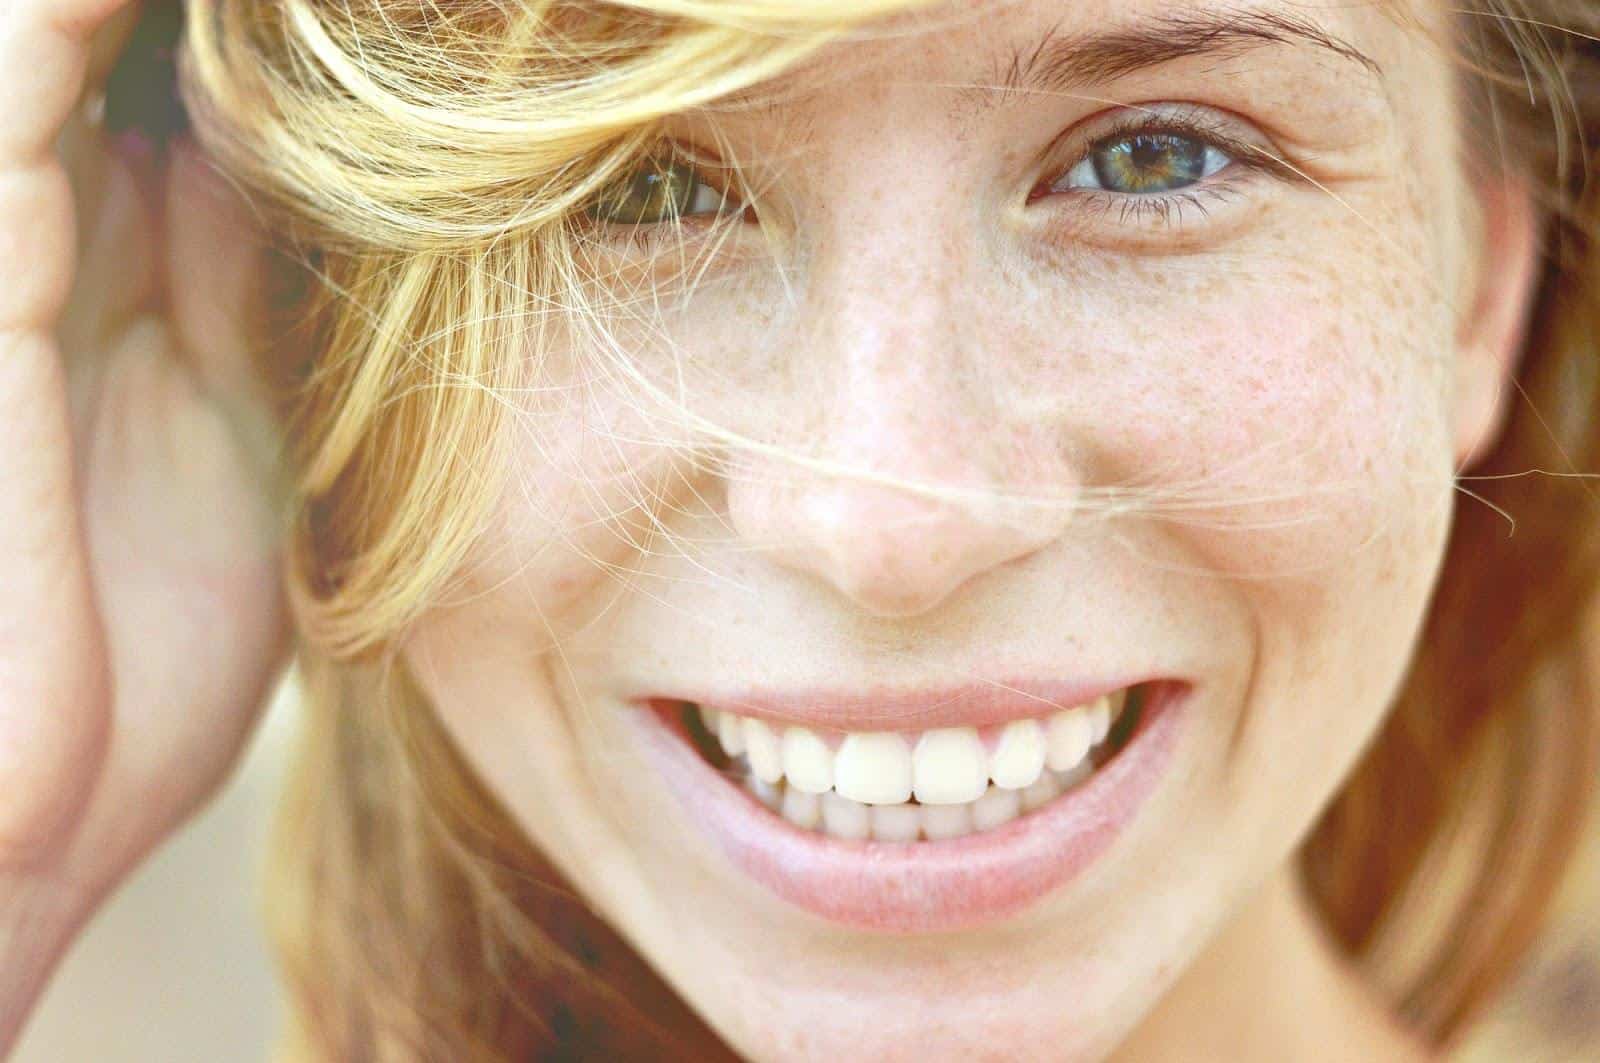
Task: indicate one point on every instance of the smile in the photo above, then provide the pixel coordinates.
(919, 811)
(897, 787)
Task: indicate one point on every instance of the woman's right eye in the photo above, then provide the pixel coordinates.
(658, 190)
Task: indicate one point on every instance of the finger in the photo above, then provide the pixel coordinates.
(44, 52)
(53, 690)
(52, 693)
(78, 18)
(54, 712)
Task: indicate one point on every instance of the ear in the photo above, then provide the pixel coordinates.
(1490, 336)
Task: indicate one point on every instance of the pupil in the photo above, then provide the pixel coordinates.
(1150, 162)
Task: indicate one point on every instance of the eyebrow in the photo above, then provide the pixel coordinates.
(1059, 61)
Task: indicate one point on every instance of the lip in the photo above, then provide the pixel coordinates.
(977, 705)
(922, 886)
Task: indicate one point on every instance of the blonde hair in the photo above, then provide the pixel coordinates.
(427, 160)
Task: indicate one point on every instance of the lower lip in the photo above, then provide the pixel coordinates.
(923, 886)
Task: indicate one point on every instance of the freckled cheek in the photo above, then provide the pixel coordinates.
(572, 518)
(1293, 443)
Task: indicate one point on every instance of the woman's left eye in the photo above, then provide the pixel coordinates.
(659, 190)
(1145, 163)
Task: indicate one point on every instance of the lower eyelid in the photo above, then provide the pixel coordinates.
(651, 240)
(1092, 216)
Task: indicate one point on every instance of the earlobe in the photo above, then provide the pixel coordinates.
(1491, 335)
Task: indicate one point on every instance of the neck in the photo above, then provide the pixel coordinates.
(1272, 986)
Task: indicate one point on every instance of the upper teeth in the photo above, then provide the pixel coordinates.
(947, 766)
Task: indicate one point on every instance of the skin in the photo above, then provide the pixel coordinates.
(1294, 379)
(1291, 380)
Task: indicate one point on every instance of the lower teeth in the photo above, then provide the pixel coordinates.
(839, 817)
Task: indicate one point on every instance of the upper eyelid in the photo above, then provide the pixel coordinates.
(707, 165)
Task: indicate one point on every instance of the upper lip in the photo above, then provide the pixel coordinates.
(977, 704)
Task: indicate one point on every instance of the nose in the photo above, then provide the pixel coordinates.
(894, 551)
(917, 480)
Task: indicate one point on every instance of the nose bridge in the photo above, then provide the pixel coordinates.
(902, 402)
(905, 499)
(891, 248)
(891, 329)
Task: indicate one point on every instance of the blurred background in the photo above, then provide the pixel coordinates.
(175, 969)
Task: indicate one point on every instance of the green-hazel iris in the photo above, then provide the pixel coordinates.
(659, 190)
(1146, 163)
(1150, 162)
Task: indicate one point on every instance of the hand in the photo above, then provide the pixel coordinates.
(141, 617)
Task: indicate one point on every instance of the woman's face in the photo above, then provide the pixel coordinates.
(1089, 349)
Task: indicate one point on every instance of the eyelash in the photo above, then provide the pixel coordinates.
(654, 236)
(1164, 209)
